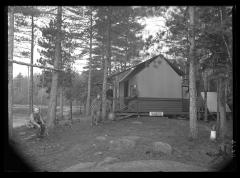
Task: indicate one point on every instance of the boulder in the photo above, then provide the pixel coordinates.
(22, 133)
(134, 138)
(149, 166)
(138, 166)
(76, 148)
(107, 160)
(136, 122)
(79, 167)
(161, 147)
(101, 138)
(98, 153)
(122, 144)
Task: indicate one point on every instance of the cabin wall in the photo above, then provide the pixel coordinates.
(158, 80)
(165, 105)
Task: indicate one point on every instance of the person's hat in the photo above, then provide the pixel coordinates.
(35, 109)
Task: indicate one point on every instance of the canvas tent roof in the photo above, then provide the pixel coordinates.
(212, 102)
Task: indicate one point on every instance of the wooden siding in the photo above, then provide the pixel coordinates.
(159, 80)
(166, 105)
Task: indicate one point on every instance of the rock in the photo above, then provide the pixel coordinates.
(124, 143)
(79, 167)
(64, 122)
(137, 166)
(107, 160)
(135, 138)
(101, 138)
(22, 133)
(121, 145)
(149, 166)
(161, 147)
(76, 148)
(136, 122)
(98, 153)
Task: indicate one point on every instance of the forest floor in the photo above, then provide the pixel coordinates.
(69, 145)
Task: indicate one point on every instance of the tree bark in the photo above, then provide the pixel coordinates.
(222, 108)
(90, 70)
(205, 82)
(114, 95)
(70, 104)
(53, 95)
(104, 89)
(192, 78)
(10, 70)
(31, 69)
(218, 103)
(224, 40)
(61, 101)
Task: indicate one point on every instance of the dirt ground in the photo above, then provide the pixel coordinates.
(69, 145)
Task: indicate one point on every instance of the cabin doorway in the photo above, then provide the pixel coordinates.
(126, 88)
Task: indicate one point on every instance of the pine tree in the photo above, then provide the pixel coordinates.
(192, 77)
(53, 94)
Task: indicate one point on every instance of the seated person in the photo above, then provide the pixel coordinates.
(36, 121)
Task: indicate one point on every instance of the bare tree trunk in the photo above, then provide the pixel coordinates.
(205, 82)
(224, 40)
(222, 108)
(31, 71)
(104, 89)
(61, 101)
(114, 95)
(192, 78)
(70, 104)
(90, 70)
(218, 102)
(10, 70)
(29, 109)
(53, 95)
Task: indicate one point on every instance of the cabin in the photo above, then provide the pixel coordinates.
(155, 85)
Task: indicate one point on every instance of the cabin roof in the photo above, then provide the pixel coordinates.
(136, 69)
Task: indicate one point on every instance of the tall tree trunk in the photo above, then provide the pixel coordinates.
(104, 89)
(31, 71)
(224, 40)
(218, 103)
(10, 69)
(29, 109)
(53, 95)
(61, 101)
(90, 69)
(192, 78)
(114, 95)
(222, 108)
(205, 82)
(70, 105)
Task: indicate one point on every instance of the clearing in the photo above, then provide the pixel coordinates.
(67, 146)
